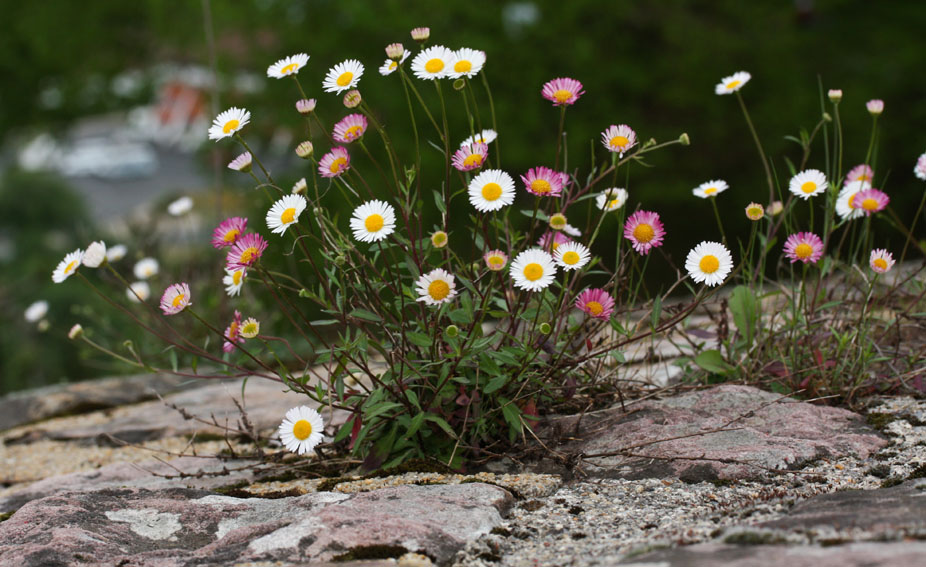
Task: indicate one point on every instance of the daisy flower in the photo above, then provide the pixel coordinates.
(228, 231)
(287, 66)
(552, 240)
(710, 188)
(146, 268)
(373, 221)
(644, 230)
(241, 163)
(544, 182)
(880, 260)
(619, 138)
(392, 64)
(138, 292)
(491, 190)
(533, 270)
(432, 63)
(487, 136)
(95, 255)
(466, 63)
(232, 335)
(350, 128)
(875, 106)
(334, 163)
(808, 183)
(611, 199)
(435, 287)
(343, 76)
(301, 429)
(871, 201)
(250, 328)
(755, 211)
(495, 260)
(709, 262)
(470, 157)
(861, 172)
(919, 170)
(116, 253)
(732, 83)
(285, 212)
(596, 302)
(180, 207)
(571, 255)
(68, 266)
(229, 122)
(245, 252)
(562, 91)
(36, 311)
(176, 298)
(804, 246)
(233, 280)
(845, 201)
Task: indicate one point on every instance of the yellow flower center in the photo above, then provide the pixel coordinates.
(472, 160)
(864, 177)
(733, 84)
(302, 429)
(803, 250)
(594, 307)
(562, 95)
(540, 186)
(613, 203)
(231, 235)
(337, 164)
(434, 66)
(236, 277)
(870, 204)
(353, 132)
(288, 216)
(230, 126)
(247, 255)
(289, 68)
(880, 263)
(533, 271)
(710, 190)
(572, 258)
(491, 191)
(619, 142)
(178, 299)
(393, 65)
(462, 66)
(754, 213)
(70, 267)
(345, 79)
(438, 289)
(643, 233)
(809, 187)
(496, 261)
(374, 223)
(232, 330)
(709, 264)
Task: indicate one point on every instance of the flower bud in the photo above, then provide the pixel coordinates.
(43, 325)
(421, 35)
(545, 328)
(340, 260)
(755, 211)
(352, 99)
(875, 106)
(305, 106)
(558, 221)
(775, 208)
(395, 51)
(305, 150)
(76, 332)
(452, 331)
(300, 188)
(439, 239)
(684, 139)
(827, 117)
(835, 95)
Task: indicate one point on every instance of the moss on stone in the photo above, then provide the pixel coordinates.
(362, 552)
(880, 420)
(6, 516)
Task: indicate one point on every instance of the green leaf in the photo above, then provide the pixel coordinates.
(415, 425)
(657, 311)
(712, 361)
(366, 315)
(412, 397)
(461, 316)
(745, 309)
(323, 322)
(439, 201)
(441, 423)
(495, 384)
(419, 339)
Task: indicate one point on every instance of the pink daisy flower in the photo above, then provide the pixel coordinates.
(644, 230)
(176, 298)
(496, 260)
(562, 91)
(870, 201)
(233, 333)
(596, 302)
(334, 163)
(229, 231)
(881, 260)
(861, 172)
(544, 182)
(619, 139)
(556, 238)
(350, 128)
(246, 251)
(804, 246)
(470, 157)
(241, 163)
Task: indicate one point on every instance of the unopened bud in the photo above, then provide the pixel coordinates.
(684, 139)
(827, 117)
(421, 35)
(352, 99)
(439, 239)
(755, 211)
(340, 260)
(305, 150)
(545, 328)
(300, 187)
(558, 221)
(305, 106)
(775, 208)
(452, 331)
(835, 95)
(875, 106)
(76, 332)
(395, 51)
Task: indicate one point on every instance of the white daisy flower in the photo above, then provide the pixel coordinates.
(145, 268)
(571, 255)
(491, 190)
(138, 292)
(533, 270)
(285, 212)
(116, 253)
(302, 429)
(287, 66)
(390, 66)
(572, 231)
(180, 207)
(343, 76)
(229, 122)
(436, 287)
(709, 262)
(67, 266)
(432, 63)
(95, 254)
(485, 137)
(233, 280)
(611, 199)
(466, 63)
(373, 221)
(808, 183)
(844, 207)
(710, 188)
(36, 311)
(732, 83)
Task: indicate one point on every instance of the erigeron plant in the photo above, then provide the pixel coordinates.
(449, 341)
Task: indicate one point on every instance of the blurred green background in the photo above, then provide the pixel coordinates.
(652, 65)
